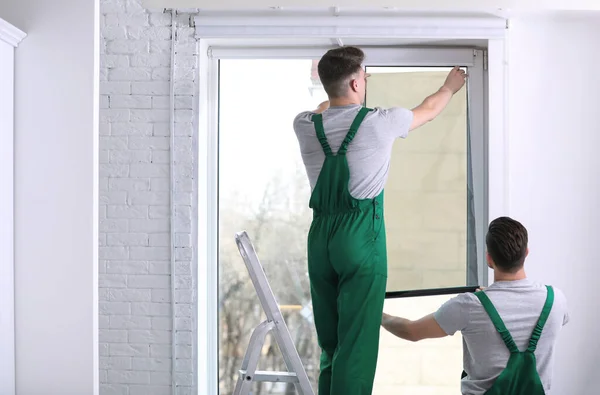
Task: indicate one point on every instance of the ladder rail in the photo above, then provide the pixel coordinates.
(292, 360)
(258, 277)
(250, 362)
(274, 324)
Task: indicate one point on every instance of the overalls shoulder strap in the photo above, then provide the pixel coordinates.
(362, 113)
(497, 321)
(537, 331)
(318, 121)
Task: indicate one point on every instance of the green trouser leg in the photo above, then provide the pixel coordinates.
(348, 273)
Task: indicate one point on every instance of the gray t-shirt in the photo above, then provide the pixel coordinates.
(519, 304)
(368, 154)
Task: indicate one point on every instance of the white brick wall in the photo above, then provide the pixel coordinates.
(135, 283)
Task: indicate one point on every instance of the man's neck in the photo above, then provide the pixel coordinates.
(501, 276)
(343, 101)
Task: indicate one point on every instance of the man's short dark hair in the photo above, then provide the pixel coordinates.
(337, 66)
(506, 242)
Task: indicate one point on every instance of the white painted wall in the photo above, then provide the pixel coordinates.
(56, 196)
(554, 174)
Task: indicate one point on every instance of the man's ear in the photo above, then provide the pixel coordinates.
(490, 261)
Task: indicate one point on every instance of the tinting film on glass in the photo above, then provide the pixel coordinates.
(429, 197)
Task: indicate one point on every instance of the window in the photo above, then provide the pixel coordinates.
(305, 34)
(434, 210)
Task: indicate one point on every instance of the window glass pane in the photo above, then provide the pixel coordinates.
(258, 102)
(427, 209)
(429, 367)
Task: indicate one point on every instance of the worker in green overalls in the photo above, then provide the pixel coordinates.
(509, 330)
(346, 150)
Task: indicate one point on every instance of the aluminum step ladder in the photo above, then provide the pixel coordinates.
(275, 324)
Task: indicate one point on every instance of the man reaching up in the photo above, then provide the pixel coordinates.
(346, 150)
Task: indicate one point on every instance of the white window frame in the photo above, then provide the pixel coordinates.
(219, 37)
(10, 37)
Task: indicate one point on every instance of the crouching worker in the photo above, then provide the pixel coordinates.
(509, 329)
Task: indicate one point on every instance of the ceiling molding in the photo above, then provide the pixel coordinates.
(324, 25)
(10, 34)
(399, 5)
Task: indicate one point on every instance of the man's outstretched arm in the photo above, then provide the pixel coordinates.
(425, 328)
(433, 105)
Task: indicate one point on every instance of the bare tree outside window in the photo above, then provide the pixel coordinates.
(272, 207)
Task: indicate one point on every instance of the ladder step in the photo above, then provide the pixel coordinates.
(271, 377)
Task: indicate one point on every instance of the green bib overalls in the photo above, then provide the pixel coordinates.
(520, 377)
(347, 266)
